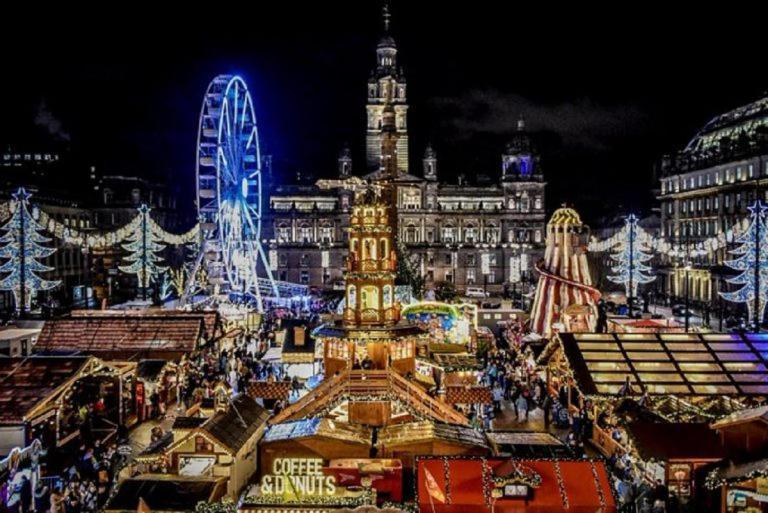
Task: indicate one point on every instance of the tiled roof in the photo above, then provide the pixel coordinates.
(25, 382)
(234, 427)
(122, 337)
(211, 318)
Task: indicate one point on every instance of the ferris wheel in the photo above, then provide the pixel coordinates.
(229, 189)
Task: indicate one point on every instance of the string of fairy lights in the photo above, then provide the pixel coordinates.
(22, 245)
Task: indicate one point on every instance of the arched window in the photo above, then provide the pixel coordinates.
(387, 295)
(369, 297)
(411, 234)
(470, 233)
(384, 248)
(351, 296)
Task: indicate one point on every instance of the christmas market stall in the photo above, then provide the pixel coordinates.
(680, 381)
(743, 486)
(697, 366)
(164, 493)
(408, 440)
(742, 478)
(50, 398)
(478, 484)
(127, 337)
(672, 453)
(446, 323)
(213, 324)
(222, 446)
(155, 377)
(315, 437)
(526, 444)
(16, 341)
(449, 372)
(297, 352)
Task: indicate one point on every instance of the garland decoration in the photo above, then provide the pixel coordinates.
(561, 485)
(447, 479)
(599, 488)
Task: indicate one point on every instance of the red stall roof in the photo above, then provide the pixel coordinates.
(565, 485)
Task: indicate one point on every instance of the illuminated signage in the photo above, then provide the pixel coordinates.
(302, 477)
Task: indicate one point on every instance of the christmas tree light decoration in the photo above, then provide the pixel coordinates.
(144, 244)
(632, 251)
(752, 263)
(22, 246)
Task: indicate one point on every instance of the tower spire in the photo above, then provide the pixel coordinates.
(386, 16)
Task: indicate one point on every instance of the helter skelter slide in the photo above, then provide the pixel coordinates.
(565, 298)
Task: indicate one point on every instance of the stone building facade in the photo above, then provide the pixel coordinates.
(486, 236)
(705, 190)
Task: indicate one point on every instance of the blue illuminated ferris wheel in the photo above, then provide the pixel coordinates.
(229, 188)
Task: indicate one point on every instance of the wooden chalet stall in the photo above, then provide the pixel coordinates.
(40, 397)
(742, 478)
(673, 452)
(123, 337)
(223, 446)
(479, 485)
(689, 376)
(315, 437)
(164, 494)
(409, 440)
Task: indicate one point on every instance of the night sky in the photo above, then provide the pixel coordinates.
(607, 92)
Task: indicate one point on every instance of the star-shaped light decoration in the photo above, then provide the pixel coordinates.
(758, 208)
(21, 194)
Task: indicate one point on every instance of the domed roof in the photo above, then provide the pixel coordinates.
(387, 41)
(565, 216)
(741, 121)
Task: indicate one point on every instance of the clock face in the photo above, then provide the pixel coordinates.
(515, 491)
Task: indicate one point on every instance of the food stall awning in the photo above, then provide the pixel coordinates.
(692, 364)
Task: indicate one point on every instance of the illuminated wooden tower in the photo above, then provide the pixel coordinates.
(372, 260)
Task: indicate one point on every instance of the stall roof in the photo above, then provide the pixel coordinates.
(318, 426)
(693, 364)
(759, 414)
(289, 343)
(122, 337)
(27, 382)
(467, 485)
(165, 493)
(734, 472)
(463, 361)
(211, 318)
(675, 441)
(235, 426)
(425, 431)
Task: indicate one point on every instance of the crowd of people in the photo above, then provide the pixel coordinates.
(82, 487)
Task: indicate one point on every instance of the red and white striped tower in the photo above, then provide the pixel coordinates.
(564, 294)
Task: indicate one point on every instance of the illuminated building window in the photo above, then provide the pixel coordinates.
(387, 295)
(305, 234)
(470, 276)
(469, 234)
(351, 296)
(326, 234)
